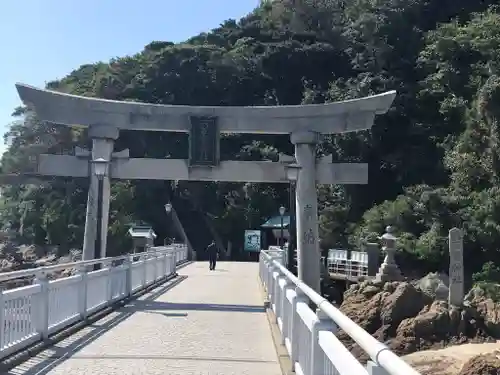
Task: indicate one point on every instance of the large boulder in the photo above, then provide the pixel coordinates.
(433, 319)
(373, 305)
(432, 282)
(404, 302)
(31, 253)
(74, 255)
(489, 311)
(6, 265)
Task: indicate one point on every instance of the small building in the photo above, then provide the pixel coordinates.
(271, 230)
(143, 236)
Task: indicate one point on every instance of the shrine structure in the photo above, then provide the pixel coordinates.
(305, 124)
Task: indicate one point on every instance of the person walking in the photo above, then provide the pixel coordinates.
(212, 255)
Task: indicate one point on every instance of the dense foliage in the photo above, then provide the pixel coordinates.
(434, 158)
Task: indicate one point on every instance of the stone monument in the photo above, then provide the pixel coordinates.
(372, 249)
(456, 286)
(306, 124)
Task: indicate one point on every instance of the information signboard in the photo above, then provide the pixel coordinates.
(252, 240)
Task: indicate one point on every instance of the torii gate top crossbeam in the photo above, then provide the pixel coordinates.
(330, 118)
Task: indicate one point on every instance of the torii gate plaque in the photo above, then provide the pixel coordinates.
(204, 141)
(305, 124)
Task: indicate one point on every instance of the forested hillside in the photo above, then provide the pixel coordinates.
(434, 158)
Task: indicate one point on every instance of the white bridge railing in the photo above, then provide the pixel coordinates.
(309, 336)
(339, 262)
(31, 313)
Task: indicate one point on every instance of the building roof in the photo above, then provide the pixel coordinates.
(275, 222)
(142, 232)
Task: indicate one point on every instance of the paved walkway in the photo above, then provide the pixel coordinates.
(210, 323)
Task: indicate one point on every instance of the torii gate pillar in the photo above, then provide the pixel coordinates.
(308, 253)
(103, 139)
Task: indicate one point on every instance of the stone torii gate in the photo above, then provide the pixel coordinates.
(304, 123)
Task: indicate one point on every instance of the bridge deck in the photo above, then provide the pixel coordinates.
(210, 322)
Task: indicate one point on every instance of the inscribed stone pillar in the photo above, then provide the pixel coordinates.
(373, 251)
(456, 271)
(103, 138)
(308, 254)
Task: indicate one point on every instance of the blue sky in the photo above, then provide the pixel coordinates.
(43, 40)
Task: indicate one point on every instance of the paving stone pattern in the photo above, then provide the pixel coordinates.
(210, 323)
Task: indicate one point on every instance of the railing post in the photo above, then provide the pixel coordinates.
(261, 260)
(272, 285)
(300, 297)
(110, 278)
(286, 325)
(82, 292)
(375, 369)
(145, 270)
(277, 294)
(165, 265)
(264, 273)
(265, 264)
(269, 268)
(323, 323)
(43, 305)
(155, 273)
(128, 276)
(269, 282)
(266, 268)
(170, 264)
(2, 320)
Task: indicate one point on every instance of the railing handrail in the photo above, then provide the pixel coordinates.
(378, 352)
(12, 275)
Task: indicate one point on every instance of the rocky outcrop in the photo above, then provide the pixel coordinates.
(15, 257)
(408, 318)
(452, 359)
(480, 298)
(488, 364)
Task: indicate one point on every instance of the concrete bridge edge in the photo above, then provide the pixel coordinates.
(284, 359)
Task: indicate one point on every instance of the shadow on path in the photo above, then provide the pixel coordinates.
(166, 357)
(148, 305)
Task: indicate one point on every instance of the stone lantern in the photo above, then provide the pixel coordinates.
(389, 270)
